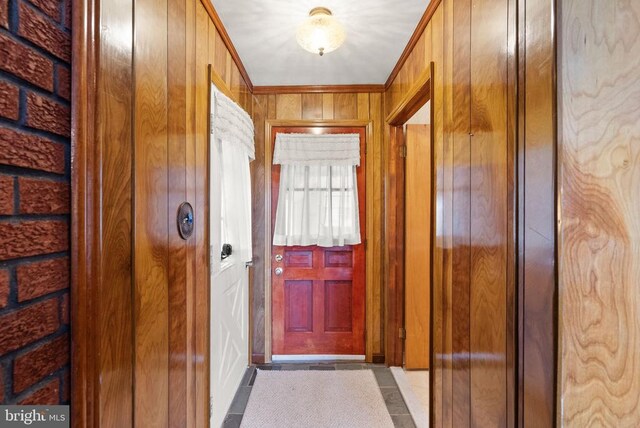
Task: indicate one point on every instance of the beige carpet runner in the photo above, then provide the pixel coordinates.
(316, 399)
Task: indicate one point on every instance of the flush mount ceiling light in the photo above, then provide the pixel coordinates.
(320, 33)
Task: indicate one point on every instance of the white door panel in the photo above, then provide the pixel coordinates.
(229, 336)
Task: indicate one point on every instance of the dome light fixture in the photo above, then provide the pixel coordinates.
(320, 33)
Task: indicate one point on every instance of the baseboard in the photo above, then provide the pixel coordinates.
(377, 359)
(257, 358)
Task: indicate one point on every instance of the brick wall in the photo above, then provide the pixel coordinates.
(35, 52)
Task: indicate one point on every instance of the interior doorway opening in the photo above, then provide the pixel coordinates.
(409, 233)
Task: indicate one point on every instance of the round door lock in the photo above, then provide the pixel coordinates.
(279, 271)
(185, 220)
(278, 257)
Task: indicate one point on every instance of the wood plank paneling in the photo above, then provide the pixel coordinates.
(201, 114)
(145, 327)
(599, 255)
(327, 106)
(375, 204)
(537, 197)
(289, 106)
(442, 190)
(461, 250)
(260, 106)
(312, 106)
(114, 308)
(345, 106)
(151, 332)
(488, 213)
(178, 288)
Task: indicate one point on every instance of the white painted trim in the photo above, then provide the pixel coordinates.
(315, 357)
(420, 417)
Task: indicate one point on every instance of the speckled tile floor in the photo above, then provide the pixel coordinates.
(387, 384)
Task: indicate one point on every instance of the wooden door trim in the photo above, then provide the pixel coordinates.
(84, 251)
(269, 125)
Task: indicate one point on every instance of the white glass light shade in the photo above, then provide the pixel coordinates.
(320, 33)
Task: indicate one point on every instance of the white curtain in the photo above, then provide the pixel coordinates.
(232, 148)
(318, 196)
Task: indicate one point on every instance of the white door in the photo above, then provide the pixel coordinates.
(229, 301)
(229, 336)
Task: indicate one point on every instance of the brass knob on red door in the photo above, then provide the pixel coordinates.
(279, 271)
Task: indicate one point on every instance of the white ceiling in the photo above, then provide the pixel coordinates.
(263, 32)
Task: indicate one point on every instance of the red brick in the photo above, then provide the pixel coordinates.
(50, 7)
(63, 82)
(9, 101)
(28, 324)
(40, 278)
(30, 368)
(48, 115)
(30, 151)
(34, 27)
(47, 395)
(67, 13)
(43, 196)
(64, 309)
(66, 387)
(4, 291)
(4, 21)
(6, 195)
(25, 63)
(30, 238)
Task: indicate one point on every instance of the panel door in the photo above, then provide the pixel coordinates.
(417, 246)
(318, 302)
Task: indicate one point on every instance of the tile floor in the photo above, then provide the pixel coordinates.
(388, 387)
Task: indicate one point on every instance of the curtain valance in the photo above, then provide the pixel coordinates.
(308, 149)
(231, 123)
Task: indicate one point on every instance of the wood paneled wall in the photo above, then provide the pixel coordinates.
(599, 249)
(141, 333)
(493, 157)
(322, 106)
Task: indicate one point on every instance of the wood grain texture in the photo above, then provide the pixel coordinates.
(536, 234)
(289, 106)
(201, 255)
(178, 288)
(417, 265)
(101, 298)
(488, 213)
(599, 255)
(442, 191)
(317, 89)
(151, 251)
(116, 307)
(260, 106)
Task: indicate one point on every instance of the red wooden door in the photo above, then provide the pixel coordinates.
(318, 301)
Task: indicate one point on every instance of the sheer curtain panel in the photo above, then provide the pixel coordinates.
(318, 194)
(232, 148)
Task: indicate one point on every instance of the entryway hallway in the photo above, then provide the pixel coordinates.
(384, 383)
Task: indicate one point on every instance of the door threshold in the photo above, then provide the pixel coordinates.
(317, 357)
